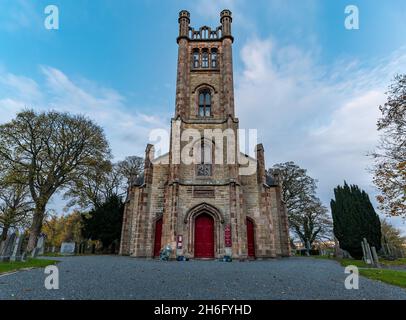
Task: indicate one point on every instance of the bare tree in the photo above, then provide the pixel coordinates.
(98, 184)
(392, 236)
(101, 181)
(131, 168)
(308, 218)
(50, 151)
(15, 207)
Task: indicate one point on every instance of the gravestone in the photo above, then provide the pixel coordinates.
(34, 252)
(7, 248)
(68, 248)
(366, 250)
(16, 256)
(41, 245)
(375, 257)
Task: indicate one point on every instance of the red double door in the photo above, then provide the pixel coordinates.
(158, 236)
(250, 238)
(204, 236)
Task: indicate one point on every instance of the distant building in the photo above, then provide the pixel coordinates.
(207, 209)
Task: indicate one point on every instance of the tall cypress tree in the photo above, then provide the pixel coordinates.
(354, 218)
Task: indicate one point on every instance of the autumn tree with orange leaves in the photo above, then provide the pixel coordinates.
(390, 156)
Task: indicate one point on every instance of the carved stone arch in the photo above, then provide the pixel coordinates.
(251, 219)
(204, 140)
(203, 86)
(190, 217)
(157, 217)
(204, 207)
(212, 143)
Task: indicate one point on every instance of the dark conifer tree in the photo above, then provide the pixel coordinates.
(104, 223)
(354, 218)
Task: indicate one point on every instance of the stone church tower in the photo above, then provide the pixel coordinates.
(222, 202)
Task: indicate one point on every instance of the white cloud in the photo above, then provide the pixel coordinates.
(20, 14)
(322, 118)
(126, 129)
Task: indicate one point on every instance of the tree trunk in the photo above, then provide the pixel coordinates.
(4, 233)
(36, 226)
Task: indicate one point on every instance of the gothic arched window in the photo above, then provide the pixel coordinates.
(214, 58)
(204, 103)
(196, 56)
(204, 166)
(205, 59)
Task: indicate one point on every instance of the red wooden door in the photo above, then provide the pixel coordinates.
(158, 236)
(250, 238)
(204, 236)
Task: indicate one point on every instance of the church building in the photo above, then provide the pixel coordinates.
(222, 203)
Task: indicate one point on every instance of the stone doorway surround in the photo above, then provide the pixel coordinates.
(189, 227)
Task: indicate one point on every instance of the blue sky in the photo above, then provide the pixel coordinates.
(316, 85)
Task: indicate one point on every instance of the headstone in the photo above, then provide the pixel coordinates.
(53, 249)
(34, 252)
(41, 245)
(364, 252)
(16, 256)
(375, 256)
(7, 248)
(68, 248)
(368, 255)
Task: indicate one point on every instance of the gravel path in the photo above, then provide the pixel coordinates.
(114, 277)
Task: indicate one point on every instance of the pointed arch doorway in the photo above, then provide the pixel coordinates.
(204, 236)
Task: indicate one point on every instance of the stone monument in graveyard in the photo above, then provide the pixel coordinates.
(16, 255)
(68, 248)
(7, 249)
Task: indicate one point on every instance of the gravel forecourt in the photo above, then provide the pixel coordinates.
(115, 277)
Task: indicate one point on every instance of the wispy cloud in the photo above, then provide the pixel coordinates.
(126, 128)
(321, 117)
(19, 14)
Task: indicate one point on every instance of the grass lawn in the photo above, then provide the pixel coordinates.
(395, 277)
(397, 262)
(352, 262)
(345, 262)
(30, 263)
(50, 254)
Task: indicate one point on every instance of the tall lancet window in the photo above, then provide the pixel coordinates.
(214, 63)
(204, 167)
(205, 59)
(205, 104)
(196, 57)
